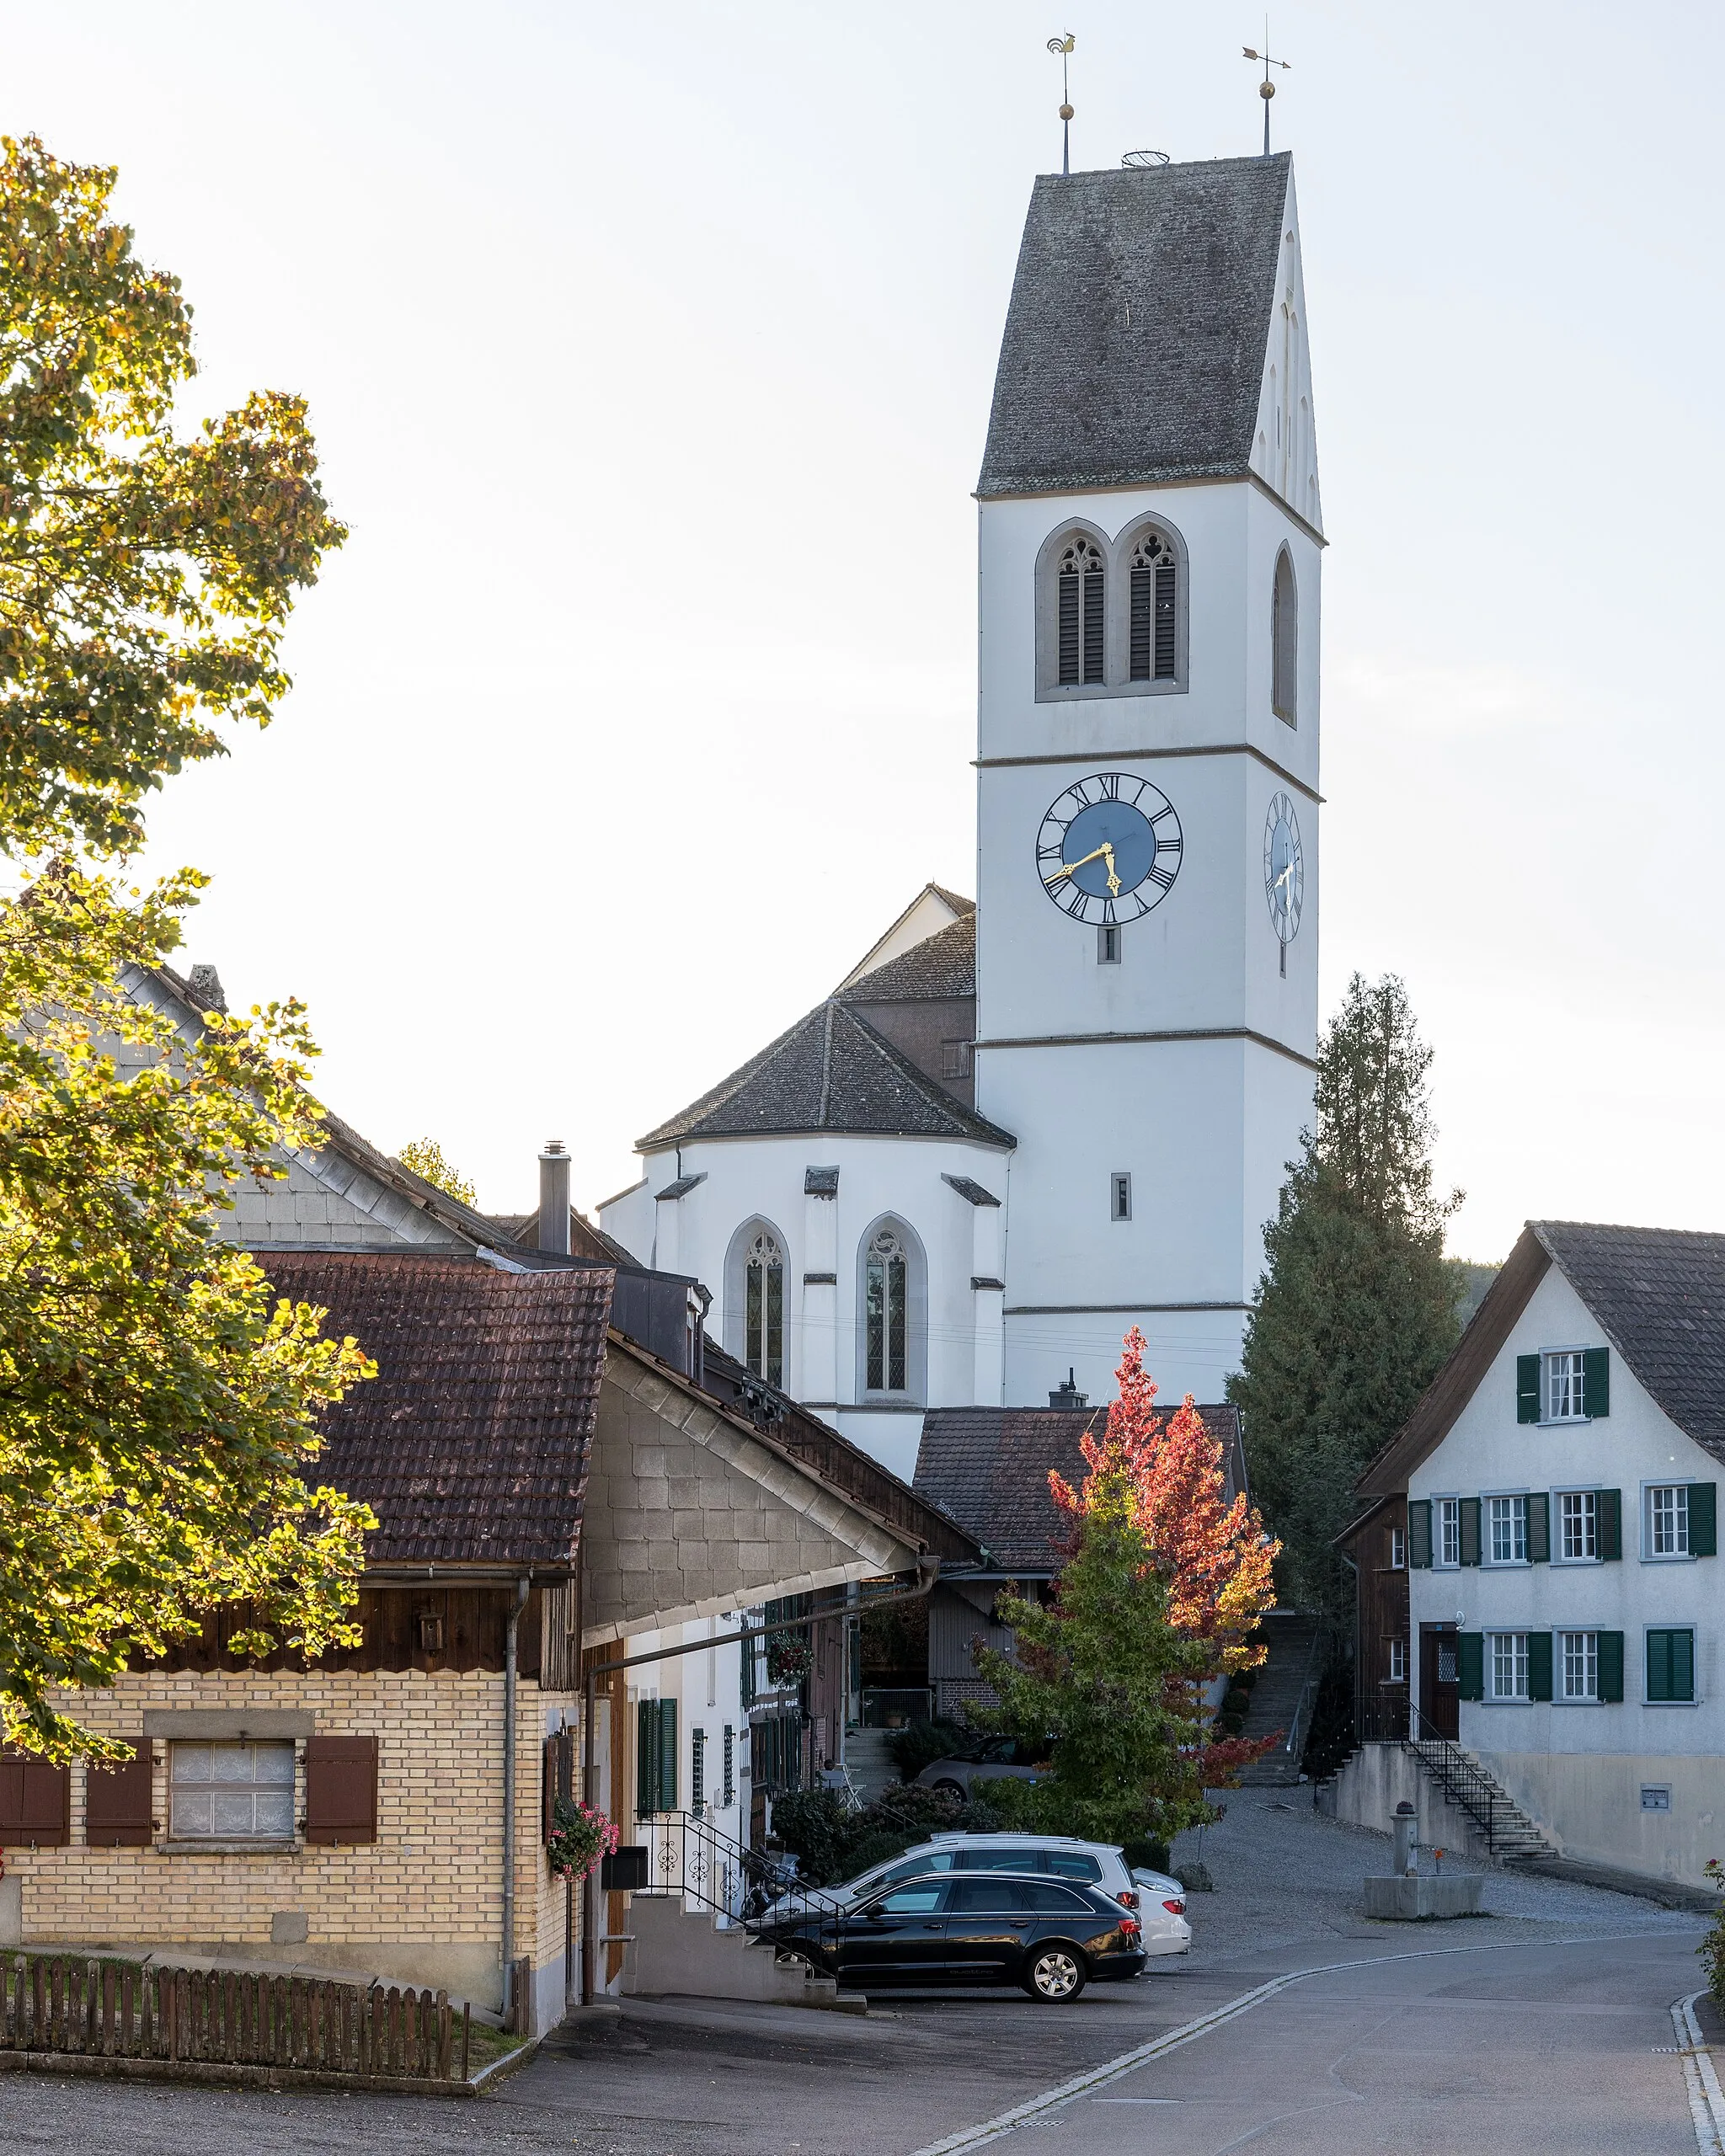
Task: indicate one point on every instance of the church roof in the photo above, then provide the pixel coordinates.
(1135, 343)
(831, 1071)
(943, 964)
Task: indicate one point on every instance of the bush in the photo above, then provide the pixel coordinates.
(1236, 1700)
(832, 1844)
(922, 1742)
(1711, 1949)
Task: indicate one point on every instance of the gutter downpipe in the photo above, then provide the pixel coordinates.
(509, 1801)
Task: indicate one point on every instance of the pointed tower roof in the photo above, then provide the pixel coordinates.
(1136, 342)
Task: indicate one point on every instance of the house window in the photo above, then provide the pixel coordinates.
(1578, 1525)
(230, 1792)
(1398, 1550)
(1449, 1531)
(886, 1299)
(1671, 1667)
(1152, 639)
(1081, 612)
(1581, 1665)
(955, 1059)
(1509, 1664)
(764, 1310)
(1398, 1662)
(1508, 1519)
(1119, 1198)
(1285, 641)
(1564, 1386)
(1107, 946)
(1668, 1520)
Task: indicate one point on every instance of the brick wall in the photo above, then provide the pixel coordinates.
(422, 1904)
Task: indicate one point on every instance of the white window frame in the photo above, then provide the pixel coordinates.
(1446, 1513)
(1574, 1375)
(1590, 1515)
(1565, 1655)
(1120, 1195)
(1516, 1657)
(1398, 1662)
(1398, 1548)
(1488, 1528)
(1649, 1533)
(184, 1791)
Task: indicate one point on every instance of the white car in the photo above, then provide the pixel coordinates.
(1159, 1900)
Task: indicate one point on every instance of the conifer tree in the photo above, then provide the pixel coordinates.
(1357, 1308)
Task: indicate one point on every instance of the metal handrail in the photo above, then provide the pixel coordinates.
(1463, 1779)
(1295, 1748)
(689, 1857)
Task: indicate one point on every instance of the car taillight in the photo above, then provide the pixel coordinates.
(1175, 1909)
(1129, 1900)
(1129, 1928)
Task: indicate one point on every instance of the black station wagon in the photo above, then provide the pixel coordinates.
(1049, 1936)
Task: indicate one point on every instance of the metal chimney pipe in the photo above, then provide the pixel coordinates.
(554, 1199)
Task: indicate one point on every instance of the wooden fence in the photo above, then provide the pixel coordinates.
(121, 2010)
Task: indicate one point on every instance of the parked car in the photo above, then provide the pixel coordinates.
(990, 1759)
(1150, 1895)
(1049, 1936)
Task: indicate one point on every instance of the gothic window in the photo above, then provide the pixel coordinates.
(1285, 641)
(1079, 585)
(1150, 638)
(763, 1308)
(886, 1312)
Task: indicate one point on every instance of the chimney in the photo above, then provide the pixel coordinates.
(1068, 1395)
(554, 1199)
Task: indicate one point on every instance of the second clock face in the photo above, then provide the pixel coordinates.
(1109, 848)
(1283, 869)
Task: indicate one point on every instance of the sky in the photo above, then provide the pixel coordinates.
(649, 352)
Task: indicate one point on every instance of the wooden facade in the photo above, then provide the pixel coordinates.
(1377, 1545)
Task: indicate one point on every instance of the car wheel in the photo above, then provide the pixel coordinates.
(1055, 1973)
(948, 1787)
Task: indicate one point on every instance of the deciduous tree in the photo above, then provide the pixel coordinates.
(425, 1157)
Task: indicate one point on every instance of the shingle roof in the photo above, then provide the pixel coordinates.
(471, 1444)
(1659, 1296)
(943, 964)
(989, 1468)
(831, 1071)
(1135, 341)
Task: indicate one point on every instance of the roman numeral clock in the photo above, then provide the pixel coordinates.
(1110, 849)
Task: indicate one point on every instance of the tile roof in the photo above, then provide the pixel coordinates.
(1138, 326)
(471, 1443)
(989, 1468)
(943, 964)
(832, 1071)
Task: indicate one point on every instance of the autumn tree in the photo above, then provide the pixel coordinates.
(1358, 1306)
(425, 1157)
(1160, 1594)
(159, 1444)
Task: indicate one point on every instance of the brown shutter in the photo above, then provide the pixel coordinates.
(35, 1804)
(118, 1804)
(341, 1789)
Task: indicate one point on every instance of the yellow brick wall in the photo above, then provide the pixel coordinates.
(424, 1903)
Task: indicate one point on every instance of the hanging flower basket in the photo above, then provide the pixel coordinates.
(789, 1658)
(580, 1837)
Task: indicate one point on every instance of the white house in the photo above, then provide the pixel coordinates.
(1018, 1128)
(1560, 1537)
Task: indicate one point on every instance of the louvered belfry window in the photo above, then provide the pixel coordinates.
(764, 1310)
(1079, 585)
(1151, 636)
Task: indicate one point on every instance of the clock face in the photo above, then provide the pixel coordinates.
(1110, 849)
(1283, 869)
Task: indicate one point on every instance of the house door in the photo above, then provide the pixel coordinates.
(1440, 1682)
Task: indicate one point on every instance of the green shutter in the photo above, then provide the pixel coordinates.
(667, 1755)
(1596, 1382)
(646, 1758)
(1538, 1665)
(1470, 1530)
(1538, 1526)
(1703, 1519)
(1671, 1665)
(1527, 1388)
(1471, 1664)
(1419, 1533)
(1610, 1665)
(1609, 1522)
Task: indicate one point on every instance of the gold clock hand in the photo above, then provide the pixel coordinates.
(1096, 854)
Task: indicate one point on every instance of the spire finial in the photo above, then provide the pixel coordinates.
(1064, 46)
(1266, 88)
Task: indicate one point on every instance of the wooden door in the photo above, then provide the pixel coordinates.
(1440, 1682)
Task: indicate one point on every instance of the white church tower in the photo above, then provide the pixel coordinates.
(1147, 792)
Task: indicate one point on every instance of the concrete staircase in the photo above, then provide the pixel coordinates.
(1277, 1698)
(870, 1762)
(1510, 1836)
(687, 1954)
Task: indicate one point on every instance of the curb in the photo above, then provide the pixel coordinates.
(1706, 2101)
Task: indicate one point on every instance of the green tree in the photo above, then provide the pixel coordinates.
(425, 1157)
(158, 1440)
(1358, 1306)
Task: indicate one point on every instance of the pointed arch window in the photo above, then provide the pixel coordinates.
(886, 1312)
(1285, 641)
(763, 1308)
(1152, 572)
(1082, 611)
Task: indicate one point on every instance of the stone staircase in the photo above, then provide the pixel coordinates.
(1510, 1836)
(870, 1762)
(1279, 1696)
(687, 1953)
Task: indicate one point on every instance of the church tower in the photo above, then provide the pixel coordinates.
(1147, 764)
